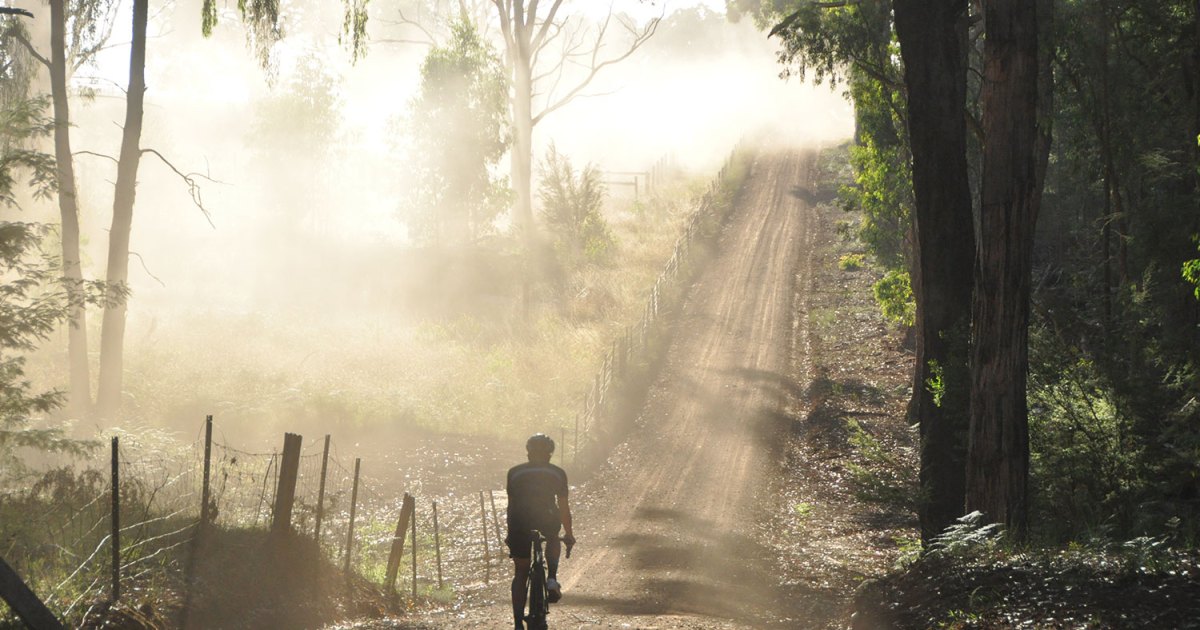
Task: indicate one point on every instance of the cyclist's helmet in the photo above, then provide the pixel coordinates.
(539, 444)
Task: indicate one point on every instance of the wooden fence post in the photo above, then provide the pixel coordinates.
(321, 493)
(285, 495)
(437, 544)
(487, 556)
(616, 354)
(22, 600)
(575, 447)
(407, 507)
(495, 520)
(116, 520)
(350, 529)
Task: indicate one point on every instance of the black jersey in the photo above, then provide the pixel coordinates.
(533, 493)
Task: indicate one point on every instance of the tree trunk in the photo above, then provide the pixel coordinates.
(933, 46)
(112, 334)
(68, 207)
(522, 147)
(998, 452)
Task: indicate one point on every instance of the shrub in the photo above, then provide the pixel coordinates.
(851, 262)
(571, 205)
(894, 294)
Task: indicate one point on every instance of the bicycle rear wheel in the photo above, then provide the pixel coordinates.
(538, 606)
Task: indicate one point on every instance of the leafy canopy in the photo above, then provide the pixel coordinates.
(458, 128)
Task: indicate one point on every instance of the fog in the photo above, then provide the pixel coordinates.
(300, 256)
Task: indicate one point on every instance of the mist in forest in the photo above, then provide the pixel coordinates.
(299, 253)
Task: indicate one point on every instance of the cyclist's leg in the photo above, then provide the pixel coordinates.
(518, 550)
(519, 592)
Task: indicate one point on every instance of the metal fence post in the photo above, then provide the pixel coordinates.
(437, 545)
(321, 493)
(487, 556)
(350, 529)
(116, 520)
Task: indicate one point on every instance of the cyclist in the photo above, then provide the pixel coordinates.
(537, 499)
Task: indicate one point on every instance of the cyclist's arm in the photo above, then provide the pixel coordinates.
(564, 512)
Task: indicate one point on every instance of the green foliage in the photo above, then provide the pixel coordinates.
(301, 116)
(1120, 433)
(824, 40)
(32, 303)
(459, 131)
(1083, 459)
(354, 28)
(936, 383)
(33, 299)
(970, 536)
(882, 190)
(880, 475)
(1191, 270)
(894, 294)
(20, 122)
(571, 207)
(851, 262)
(208, 17)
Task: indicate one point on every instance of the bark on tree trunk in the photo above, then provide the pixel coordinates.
(68, 207)
(998, 453)
(112, 334)
(522, 147)
(933, 46)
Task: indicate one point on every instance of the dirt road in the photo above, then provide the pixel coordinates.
(669, 535)
(671, 529)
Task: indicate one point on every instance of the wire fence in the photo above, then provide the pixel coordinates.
(634, 346)
(83, 537)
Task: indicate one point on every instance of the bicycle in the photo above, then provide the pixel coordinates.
(539, 600)
(539, 604)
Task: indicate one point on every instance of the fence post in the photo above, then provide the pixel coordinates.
(205, 488)
(407, 507)
(616, 354)
(285, 495)
(575, 447)
(194, 550)
(487, 556)
(321, 493)
(495, 519)
(437, 544)
(262, 496)
(24, 602)
(350, 529)
(116, 520)
(414, 551)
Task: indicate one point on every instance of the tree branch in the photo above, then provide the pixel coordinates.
(20, 37)
(640, 37)
(147, 269)
(93, 153)
(791, 19)
(190, 180)
(15, 11)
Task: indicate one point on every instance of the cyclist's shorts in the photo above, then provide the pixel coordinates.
(520, 539)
